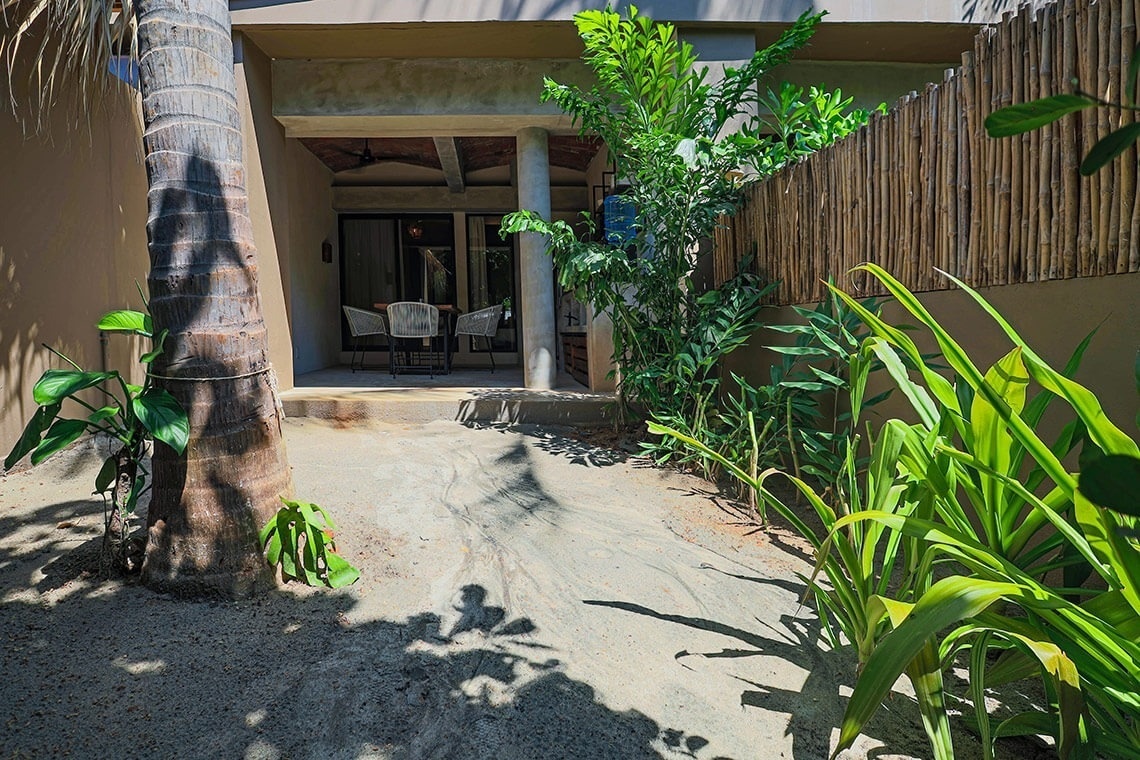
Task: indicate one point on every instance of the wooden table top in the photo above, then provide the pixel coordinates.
(440, 306)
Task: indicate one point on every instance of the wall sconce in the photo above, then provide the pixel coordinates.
(326, 252)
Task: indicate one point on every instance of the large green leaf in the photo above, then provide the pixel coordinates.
(61, 435)
(1106, 435)
(126, 320)
(340, 572)
(1109, 147)
(33, 433)
(1113, 482)
(162, 415)
(107, 474)
(960, 362)
(947, 602)
(57, 384)
(1024, 117)
(993, 445)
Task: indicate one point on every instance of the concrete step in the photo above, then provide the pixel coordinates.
(474, 405)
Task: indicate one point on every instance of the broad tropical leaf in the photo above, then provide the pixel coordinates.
(162, 415)
(1113, 482)
(59, 436)
(57, 384)
(129, 321)
(32, 435)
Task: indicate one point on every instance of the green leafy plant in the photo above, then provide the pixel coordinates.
(130, 415)
(1003, 514)
(686, 392)
(665, 126)
(299, 539)
(800, 420)
(967, 537)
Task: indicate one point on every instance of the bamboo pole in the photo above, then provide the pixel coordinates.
(1030, 147)
(936, 229)
(1104, 177)
(1088, 186)
(949, 185)
(1070, 202)
(1110, 206)
(973, 174)
(884, 188)
(1014, 55)
(990, 152)
(1128, 158)
(964, 201)
(1002, 97)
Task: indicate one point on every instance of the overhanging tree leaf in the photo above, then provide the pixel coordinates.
(1113, 482)
(1109, 147)
(1023, 117)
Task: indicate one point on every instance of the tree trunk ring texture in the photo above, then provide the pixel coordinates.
(208, 505)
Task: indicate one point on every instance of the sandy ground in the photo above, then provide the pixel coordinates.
(523, 596)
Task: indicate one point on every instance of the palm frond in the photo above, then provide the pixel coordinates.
(47, 44)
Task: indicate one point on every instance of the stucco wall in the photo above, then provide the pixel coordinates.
(72, 244)
(314, 301)
(291, 208)
(869, 84)
(1053, 317)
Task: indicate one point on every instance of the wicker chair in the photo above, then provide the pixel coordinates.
(483, 323)
(362, 323)
(410, 324)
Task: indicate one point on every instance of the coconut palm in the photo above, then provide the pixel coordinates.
(208, 505)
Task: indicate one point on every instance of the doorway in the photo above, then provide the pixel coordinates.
(388, 258)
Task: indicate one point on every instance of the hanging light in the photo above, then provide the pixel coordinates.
(415, 230)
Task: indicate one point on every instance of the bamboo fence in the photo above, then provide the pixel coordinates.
(924, 188)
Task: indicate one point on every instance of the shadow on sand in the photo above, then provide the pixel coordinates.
(114, 670)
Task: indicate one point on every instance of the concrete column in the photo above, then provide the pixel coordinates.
(537, 296)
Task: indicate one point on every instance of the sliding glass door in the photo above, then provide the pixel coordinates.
(387, 258)
(491, 279)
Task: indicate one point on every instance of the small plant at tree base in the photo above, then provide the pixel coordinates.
(131, 415)
(299, 538)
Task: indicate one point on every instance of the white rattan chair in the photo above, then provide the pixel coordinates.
(411, 324)
(362, 323)
(483, 323)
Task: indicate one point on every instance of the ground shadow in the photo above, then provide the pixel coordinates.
(559, 442)
(116, 670)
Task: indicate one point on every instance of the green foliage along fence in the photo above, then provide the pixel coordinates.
(924, 187)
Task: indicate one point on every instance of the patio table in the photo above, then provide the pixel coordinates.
(447, 313)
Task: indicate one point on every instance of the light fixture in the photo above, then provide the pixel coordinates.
(415, 230)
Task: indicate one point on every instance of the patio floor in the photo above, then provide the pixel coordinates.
(465, 395)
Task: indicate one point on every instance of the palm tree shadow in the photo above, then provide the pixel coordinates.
(291, 676)
(204, 289)
(814, 709)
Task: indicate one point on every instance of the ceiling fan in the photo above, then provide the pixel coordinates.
(365, 157)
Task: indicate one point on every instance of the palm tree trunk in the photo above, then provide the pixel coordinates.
(208, 505)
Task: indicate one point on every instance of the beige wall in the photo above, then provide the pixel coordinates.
(314, 286)
(1053, 317)
(72, 244)
(290, 206)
